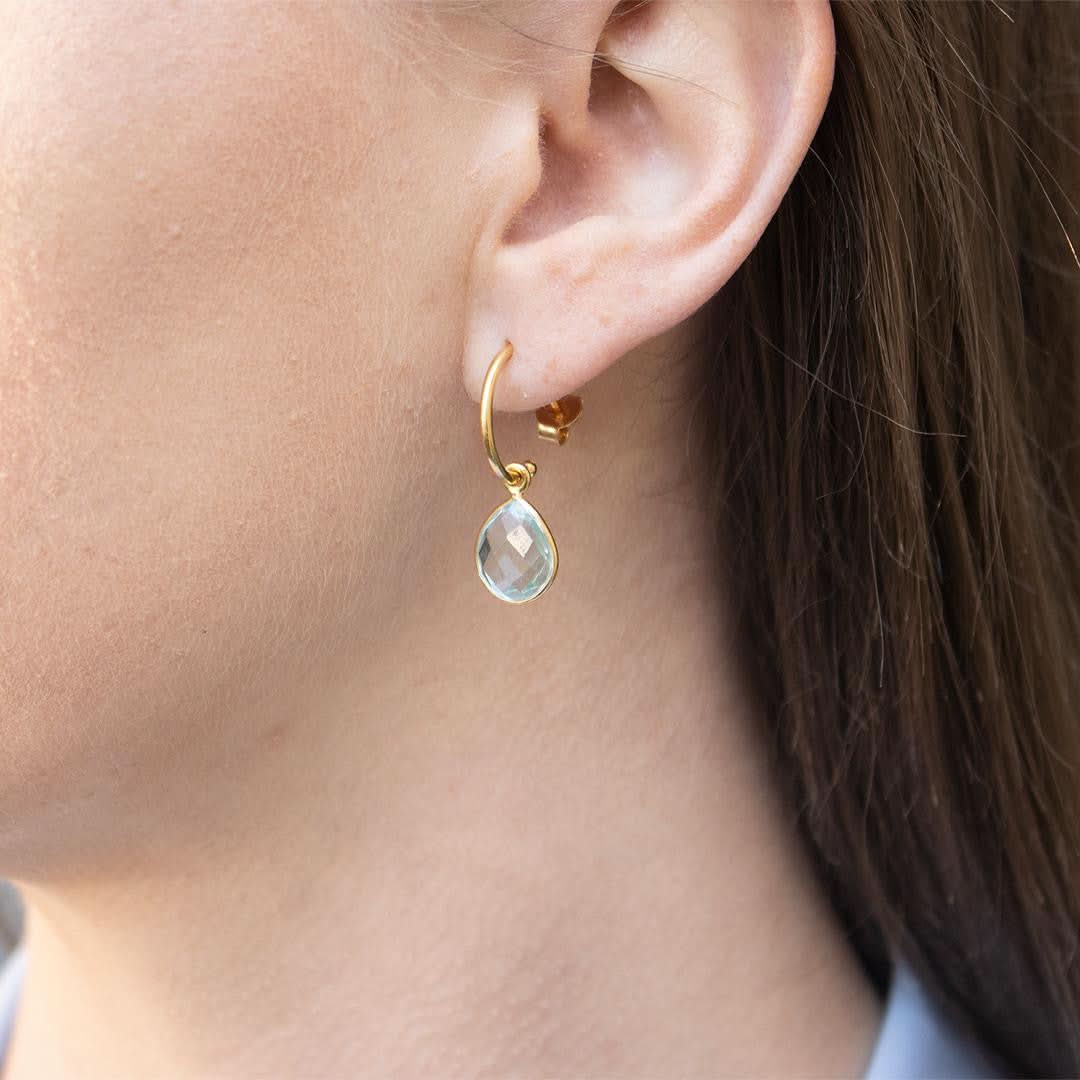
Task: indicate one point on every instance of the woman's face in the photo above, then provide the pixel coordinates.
(228, 341)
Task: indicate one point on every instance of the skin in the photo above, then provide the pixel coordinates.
(287, 792)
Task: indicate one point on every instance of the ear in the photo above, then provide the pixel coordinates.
(645, 149)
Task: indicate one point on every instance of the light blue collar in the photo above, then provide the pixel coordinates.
(916, 1042)
(11, 978)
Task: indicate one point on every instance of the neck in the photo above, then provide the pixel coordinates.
(531, 841)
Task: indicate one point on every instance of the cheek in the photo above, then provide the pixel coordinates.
(203, 251)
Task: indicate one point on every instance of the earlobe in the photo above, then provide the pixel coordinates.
(651, 166)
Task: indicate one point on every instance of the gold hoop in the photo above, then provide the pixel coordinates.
(516, 475)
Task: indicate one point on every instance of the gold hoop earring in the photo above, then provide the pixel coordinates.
(516, 555)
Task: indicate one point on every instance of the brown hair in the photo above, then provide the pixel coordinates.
(894, 384)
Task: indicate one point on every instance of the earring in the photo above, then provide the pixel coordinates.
(516, 556)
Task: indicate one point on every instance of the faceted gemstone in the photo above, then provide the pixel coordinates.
(515, 552)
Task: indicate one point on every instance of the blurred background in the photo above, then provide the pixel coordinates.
(11, 918)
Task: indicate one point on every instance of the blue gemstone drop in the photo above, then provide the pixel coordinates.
(515, 554)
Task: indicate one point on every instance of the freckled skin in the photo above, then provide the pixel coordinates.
(206, 240)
